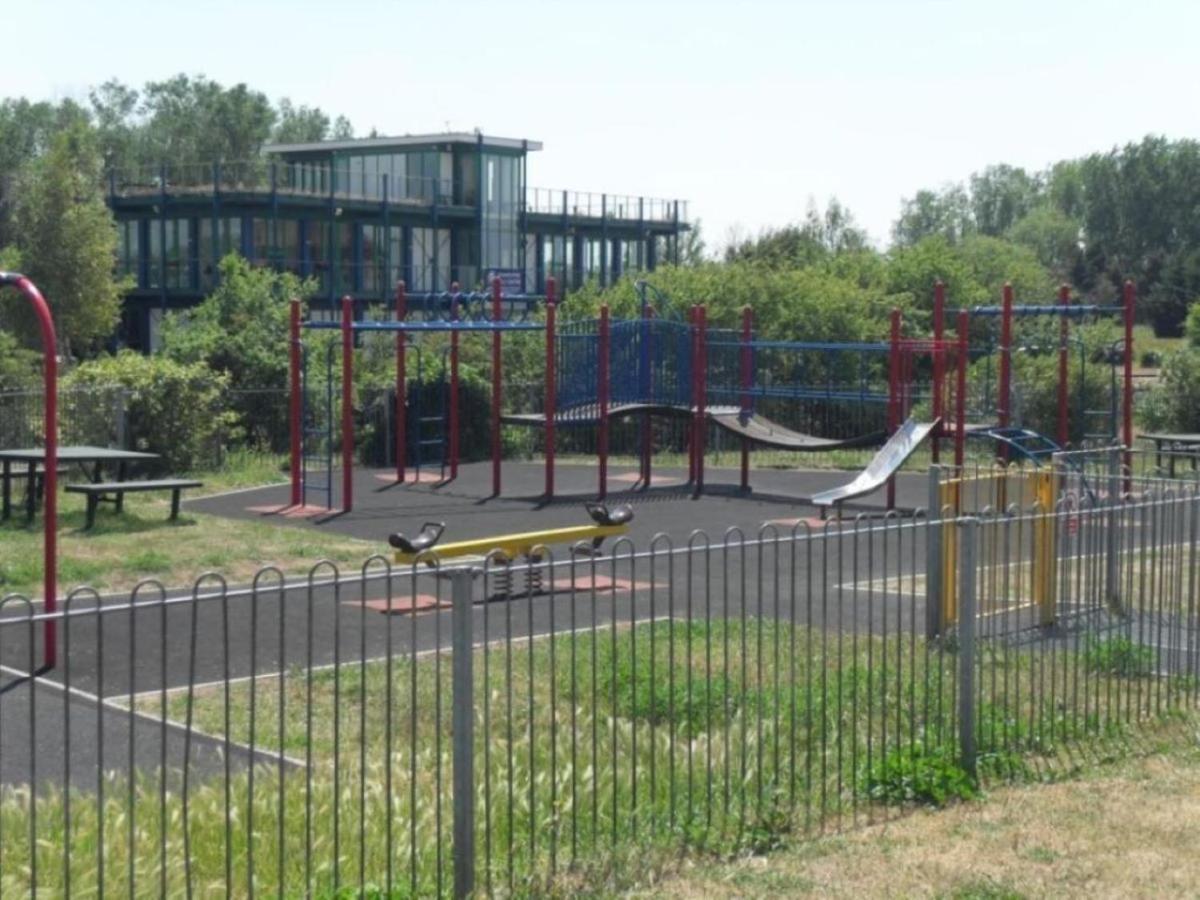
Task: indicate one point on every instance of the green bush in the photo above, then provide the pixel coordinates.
(1119, 656)
(931, 777)
(1174, 403)
(176, 410)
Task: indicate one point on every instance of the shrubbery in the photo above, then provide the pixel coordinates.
(174, 409)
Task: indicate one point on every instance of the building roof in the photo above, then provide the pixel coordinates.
(406, 140)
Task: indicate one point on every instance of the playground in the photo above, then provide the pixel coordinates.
(541, 660)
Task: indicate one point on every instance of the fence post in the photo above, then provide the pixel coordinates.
(462, 700)
(968, 539)
(1112, 559)
(933, 556)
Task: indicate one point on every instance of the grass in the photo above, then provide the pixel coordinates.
(1123, 829)
(120, 550)
(599, 757)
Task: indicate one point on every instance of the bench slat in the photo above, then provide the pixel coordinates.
(112, 487)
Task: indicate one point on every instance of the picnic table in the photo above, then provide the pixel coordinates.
(1172, 442)
(91, 460)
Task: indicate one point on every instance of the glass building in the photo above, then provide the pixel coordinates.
(359, 215)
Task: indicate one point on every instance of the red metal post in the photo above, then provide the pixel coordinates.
(701, 390)
(454, 383)
(497, 388)
(1127, 412)
(647, 422)
(295, 402)
(894, 390)
(602, 388)
(1064, 332)
(691, 425)
(551, 387)
(747, 333)
(347, 404)
(401, 377)
(960, 390)
(50, 463)
(1003, 401)
(939, 368)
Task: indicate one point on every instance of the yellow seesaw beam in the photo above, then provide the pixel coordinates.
(515, 545)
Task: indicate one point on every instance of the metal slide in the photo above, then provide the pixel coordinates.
(884, 465)
(763, 431)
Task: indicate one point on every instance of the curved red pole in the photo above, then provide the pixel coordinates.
(295, 401)
(401, 377)
(1064, 332)
(497, 387)
(347, 404)
(50, 464)
(551, 387)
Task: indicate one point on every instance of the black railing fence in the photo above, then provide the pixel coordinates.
(494, 727)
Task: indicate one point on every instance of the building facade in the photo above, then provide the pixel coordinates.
(356, 216)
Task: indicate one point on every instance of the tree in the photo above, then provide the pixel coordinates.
(819, 236)
(1000, 196)
(946, 213)
(300, 124)
(68, 241)
(1053, 236)
(27, 131)
(241, 330)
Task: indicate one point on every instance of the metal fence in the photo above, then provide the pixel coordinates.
(497, 727)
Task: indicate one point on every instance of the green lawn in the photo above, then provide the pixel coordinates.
(142, 543)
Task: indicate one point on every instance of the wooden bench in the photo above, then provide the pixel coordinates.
(101, 491)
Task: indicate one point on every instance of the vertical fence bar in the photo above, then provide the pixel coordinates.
(968, 537)
(463, 722)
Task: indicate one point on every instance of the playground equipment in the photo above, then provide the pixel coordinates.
(529, 545)
(453, 312)
(1021, 441)
(599, 370)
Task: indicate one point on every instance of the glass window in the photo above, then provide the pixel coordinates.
(501, 236)
(345, 241)
(395, 256)
(129, 251)
(356, 176)
(287, 245)
(316, 252)
(374, 273)
(209, 254)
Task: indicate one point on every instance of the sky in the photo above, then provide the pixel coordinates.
(748, 110)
